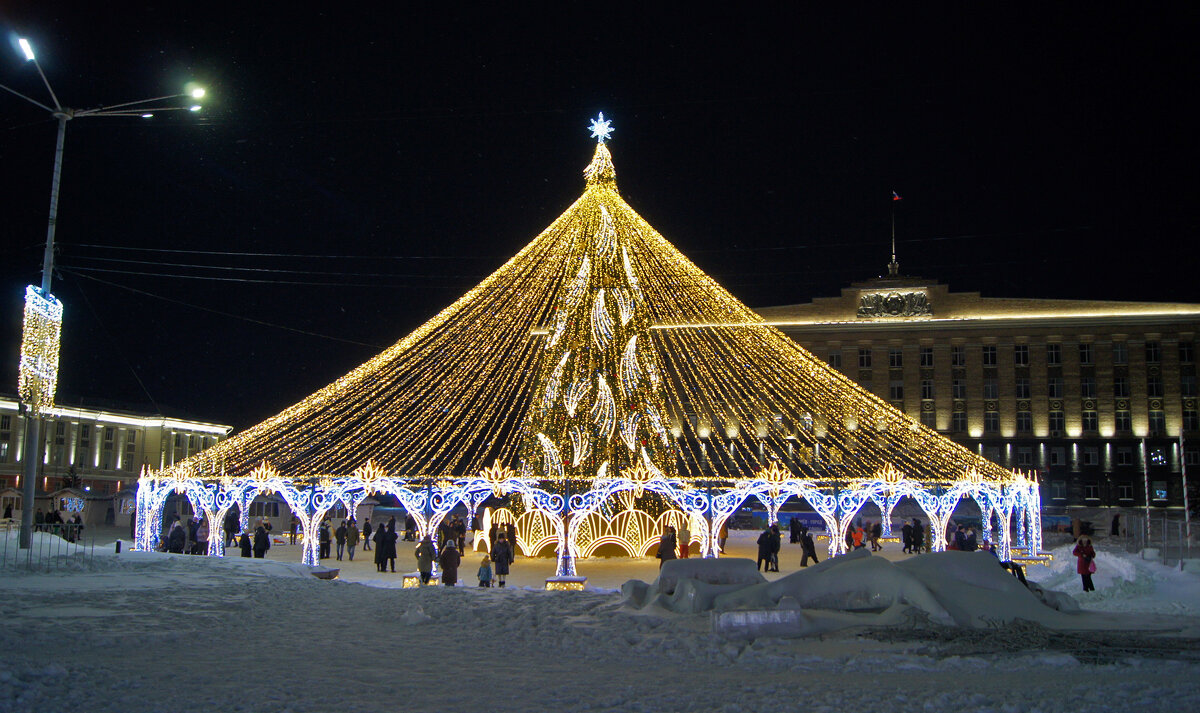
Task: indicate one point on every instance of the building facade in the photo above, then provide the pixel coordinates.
(95, 453)
(1100, 398)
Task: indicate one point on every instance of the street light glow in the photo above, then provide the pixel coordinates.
(194, 107)
(26, 48)
(198, 93)
(147, 116)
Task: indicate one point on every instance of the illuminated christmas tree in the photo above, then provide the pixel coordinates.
(599, 406)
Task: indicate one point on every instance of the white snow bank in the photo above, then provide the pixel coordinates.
(1124, 582)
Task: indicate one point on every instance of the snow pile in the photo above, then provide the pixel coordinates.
(960, 588)
(1124, 582)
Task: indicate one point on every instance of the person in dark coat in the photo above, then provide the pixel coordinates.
(244, 543)
(323, 535)
(918, 536)
(340, 535)
(776, 540)
(906, 537)
(876, 533)
(666, 546)
(380, 550)
(794, 531)
(807, 547)
(492, 536)
(1116, 525)
(764, 550)
(8, 512)
(177, 539)
(449, 559)
(366, 534)
(1085, 555)
(410, 528)
(193, 527)
(510, 530)
(262, 542)
(502, 555)
(231, 527)
(351, 538)
(389, 543)
(970, 542)
(424, 554)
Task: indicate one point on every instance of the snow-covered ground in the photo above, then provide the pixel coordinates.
(155, 632)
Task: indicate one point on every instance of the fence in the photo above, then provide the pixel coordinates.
(57, 547)
(1160, 537)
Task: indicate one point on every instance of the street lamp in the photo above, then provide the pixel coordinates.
(38, 371)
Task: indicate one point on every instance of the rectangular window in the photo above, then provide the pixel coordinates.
(1058, 489)
(1190, 421)
(1186, 352)
(1158, 490)
(896, 390)
(1091, 422)
(895, 358)
(1058, 457)
(3, 451)
(1087, 387)
(1187, 385)
(958, 356)
(1124, 423)
(927, 388)
(1153, 352)
(1053, 354)
(1024, 422)
(1021, 355)
(989, 355)
(835, 360)
(1025, 457)
(1091, 456)
(991, 389)
(926, 357)
(179, 440)
(1120, 353)
(1085, 353)
(1158, 422)
(1054, 387)
(1191, 456)
(1125, 491)
(5, 423)
(991, 422)
(1056, 423)
(864, 357)
(958, 422)
(929, 419)
(1091, 491)
(192, 445)
(1022, 388)
(1121, 387)
(1154, 386)
(960, 388)
(1124, 456)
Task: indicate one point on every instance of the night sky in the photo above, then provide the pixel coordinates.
(381, 163)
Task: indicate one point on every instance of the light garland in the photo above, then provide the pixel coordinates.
(41, 336)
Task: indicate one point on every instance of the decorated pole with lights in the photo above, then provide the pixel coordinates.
(38, 370)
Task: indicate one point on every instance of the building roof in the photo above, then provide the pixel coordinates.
(95, 411)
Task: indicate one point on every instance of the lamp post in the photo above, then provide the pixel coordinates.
(38, 370)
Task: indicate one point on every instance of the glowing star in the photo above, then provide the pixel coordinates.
(601, 129)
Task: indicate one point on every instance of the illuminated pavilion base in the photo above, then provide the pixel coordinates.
(413, 580)
(565, 584)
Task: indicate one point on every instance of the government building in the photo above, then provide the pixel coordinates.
(1099, 398)
(91, 457)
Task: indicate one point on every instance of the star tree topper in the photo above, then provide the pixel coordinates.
(601, 129)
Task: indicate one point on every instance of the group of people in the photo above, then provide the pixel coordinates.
(493, 568)
(53, 521)
(672, 541)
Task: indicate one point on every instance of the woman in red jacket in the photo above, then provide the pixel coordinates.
(1084, 563)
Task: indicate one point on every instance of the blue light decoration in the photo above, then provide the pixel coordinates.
(1015, 503)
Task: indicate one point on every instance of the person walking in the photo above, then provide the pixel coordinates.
(389, 544)
(722, 536)
(807, 547)
(231, 527)
(666, 546)
(244, 543)
(876, 533)
(857, 537)
(262, 541)
(906, 537)
(793, 530)
(764, 551)
(295, 525)
(424, 553)
(351, 538)
(485, 572)
(502, 555)
(410, 528)
(970, 542)
(685, 540)
(366, 534)
(1085, 564)
(340, 535)
(176, 539)
(449, 559)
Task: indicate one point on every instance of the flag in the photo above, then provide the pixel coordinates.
(896, 196)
